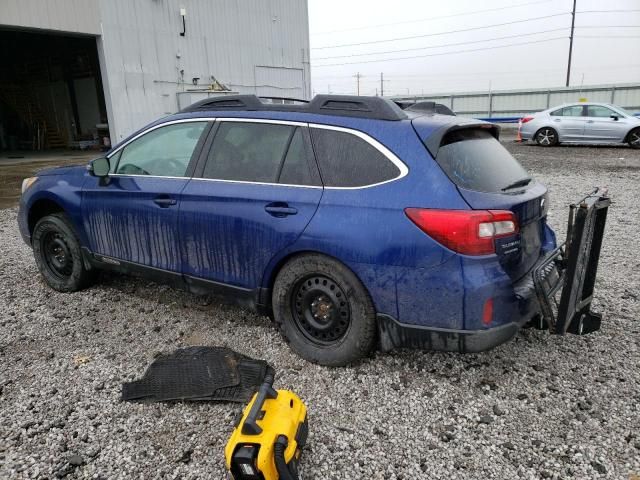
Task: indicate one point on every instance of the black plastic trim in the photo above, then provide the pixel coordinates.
(197, 152)
(394, 334)
(243, 297)
(203, 154)
(340, 105)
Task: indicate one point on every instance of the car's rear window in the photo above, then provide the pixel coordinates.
(473, 159)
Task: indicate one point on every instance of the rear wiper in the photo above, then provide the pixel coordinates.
(518, 183)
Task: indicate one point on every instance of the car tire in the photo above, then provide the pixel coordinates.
(633, 139)
(57, 252)
(546, 137)
(323, 311)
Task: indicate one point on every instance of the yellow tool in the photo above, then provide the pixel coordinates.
(268, 438)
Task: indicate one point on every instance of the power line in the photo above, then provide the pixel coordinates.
(347, 79)
(441, 45)
(439, 54)
(473, 42)
(406, 22)
(607, 36)
(442, 33)
(608, 11)
(608, 26)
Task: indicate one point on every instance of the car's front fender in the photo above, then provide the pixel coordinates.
(63, 191)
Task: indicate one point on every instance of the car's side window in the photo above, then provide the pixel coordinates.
(250, 152)
(572, 111)
(163, 152)
(557, 113)
(600, 111)
(295, 169)
(346, 160)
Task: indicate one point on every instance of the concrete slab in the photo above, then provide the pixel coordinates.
(16, 166)
(18, 157)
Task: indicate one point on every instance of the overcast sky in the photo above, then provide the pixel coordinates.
(605, 49)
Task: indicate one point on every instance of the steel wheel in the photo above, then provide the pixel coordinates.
(57, 255)
(323, 311)
(320, 310)
(546, 137)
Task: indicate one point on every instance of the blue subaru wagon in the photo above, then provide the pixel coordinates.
(349, 221)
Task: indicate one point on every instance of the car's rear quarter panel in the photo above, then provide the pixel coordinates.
(405, 271)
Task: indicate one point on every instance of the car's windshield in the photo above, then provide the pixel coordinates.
(622, 110)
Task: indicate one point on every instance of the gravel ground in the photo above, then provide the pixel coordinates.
(537, 407)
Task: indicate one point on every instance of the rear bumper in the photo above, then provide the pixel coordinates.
(523, 305)
(527, 132)
(394, 334)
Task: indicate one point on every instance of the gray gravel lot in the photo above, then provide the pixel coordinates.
(537, 407)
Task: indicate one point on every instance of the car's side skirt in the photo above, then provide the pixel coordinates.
(257, 299)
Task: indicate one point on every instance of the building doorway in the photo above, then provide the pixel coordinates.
(51, 93)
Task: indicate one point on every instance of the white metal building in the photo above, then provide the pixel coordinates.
(73, 68)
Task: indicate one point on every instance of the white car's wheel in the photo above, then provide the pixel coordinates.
(546, 137)
(634, 138)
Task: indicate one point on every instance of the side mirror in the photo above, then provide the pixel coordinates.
(99, 167)
(615, 117)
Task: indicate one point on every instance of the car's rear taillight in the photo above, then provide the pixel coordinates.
(471, 232)
(526, 119)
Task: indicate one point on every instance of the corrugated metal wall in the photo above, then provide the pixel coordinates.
(73, 16)
(252, 46)
(516, 103)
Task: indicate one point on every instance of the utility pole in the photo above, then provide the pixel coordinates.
(573, 22)
(381, 84)
(358, 76)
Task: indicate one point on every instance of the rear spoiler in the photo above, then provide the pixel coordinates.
(434, 141)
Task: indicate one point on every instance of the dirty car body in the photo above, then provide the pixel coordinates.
(432, 217)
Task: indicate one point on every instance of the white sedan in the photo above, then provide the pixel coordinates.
(581, 123)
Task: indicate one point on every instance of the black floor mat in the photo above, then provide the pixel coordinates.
(199, 373)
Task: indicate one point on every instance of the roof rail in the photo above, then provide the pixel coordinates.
(340, 105)
(284, 99)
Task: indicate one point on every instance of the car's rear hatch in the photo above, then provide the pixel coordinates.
(489, 178)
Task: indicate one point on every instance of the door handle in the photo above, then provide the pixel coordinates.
(590, 121)
(165, 202)
(280, 209)
(556, 119)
